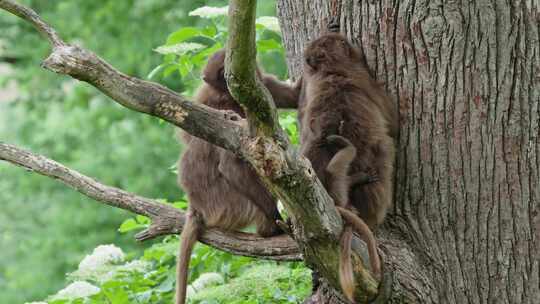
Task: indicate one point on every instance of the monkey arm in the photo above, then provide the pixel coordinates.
(285, 95)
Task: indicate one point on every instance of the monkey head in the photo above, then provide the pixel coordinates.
(214, 72)
(331, 51)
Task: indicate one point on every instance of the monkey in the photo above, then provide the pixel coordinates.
(339, 97)
(223, 190)
(341, 153)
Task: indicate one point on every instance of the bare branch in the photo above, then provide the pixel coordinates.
(9, 59)
(31, 16)
(165, 218)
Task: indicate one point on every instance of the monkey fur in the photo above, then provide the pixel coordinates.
(224, 191)
(339, 97)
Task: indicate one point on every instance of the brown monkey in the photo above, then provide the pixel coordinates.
(340, 97)
(224, 192)
(338, 182)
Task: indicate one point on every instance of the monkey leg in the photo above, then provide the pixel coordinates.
(341, 161)
(189, 236)
(243, 179)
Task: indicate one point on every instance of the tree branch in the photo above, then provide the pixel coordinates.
(284, 171)
(31, 16)
(9, 59)
(209, 124)
(241, 71)
(165, 218)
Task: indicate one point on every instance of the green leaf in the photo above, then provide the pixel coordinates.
(210, 31)
(268, 45)
(142, 219)
(128, 225)
(179, 48)
(155, 71)
(169, 70)
(182, 35)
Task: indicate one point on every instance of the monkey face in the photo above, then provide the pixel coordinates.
(214, 72)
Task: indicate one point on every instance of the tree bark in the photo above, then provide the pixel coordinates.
(466, 78)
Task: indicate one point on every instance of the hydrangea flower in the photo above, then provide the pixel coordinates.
(203, 281)
(75, 290)
(102, 255)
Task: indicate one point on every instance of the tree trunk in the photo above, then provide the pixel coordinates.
(466, 78)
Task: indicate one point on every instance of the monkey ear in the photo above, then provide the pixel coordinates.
(311, 124)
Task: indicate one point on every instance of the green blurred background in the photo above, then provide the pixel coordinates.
(46, 228)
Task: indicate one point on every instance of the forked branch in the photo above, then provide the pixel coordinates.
(165, 218)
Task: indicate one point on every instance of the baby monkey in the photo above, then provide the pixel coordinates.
(339, 97)
(224, 191)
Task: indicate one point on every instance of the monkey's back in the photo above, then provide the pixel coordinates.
(209, 192)
(344, 105)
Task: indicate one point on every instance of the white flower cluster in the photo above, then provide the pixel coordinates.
(75, 290)
(210, 12)
(102, 255)
(104, 264)
(203, 281)
(133, 266)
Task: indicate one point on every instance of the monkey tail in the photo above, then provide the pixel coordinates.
(367, 235)
(346, 276)
(188, 238)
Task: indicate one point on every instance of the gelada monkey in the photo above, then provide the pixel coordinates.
(224, 192)
(339, 153)
(339, 97)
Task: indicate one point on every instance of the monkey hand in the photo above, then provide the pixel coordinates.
(338, 140)
(365, 177)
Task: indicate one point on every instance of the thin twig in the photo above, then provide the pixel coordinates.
(32, 17)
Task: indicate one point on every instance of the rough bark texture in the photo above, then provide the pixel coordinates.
(466, 77)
